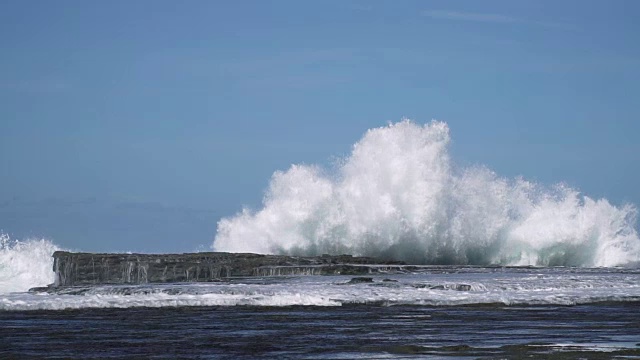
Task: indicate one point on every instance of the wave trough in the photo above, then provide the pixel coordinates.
(398, 196)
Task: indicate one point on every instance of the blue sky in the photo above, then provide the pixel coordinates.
(137, 125)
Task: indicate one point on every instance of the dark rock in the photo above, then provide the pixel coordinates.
(81, 269)
(39, 289)
(360, 280)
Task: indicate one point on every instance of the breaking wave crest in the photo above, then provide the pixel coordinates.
(398, 196)
(25, 264)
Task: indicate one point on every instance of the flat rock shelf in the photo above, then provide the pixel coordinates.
(82, 269)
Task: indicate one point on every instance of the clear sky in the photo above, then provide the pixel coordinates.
(136, 125)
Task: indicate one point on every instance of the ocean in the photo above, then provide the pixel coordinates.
(600, 331)
(434, 311)
(506, 268)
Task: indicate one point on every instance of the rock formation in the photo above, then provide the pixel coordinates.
(80, 269)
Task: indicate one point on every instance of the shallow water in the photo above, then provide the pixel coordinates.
(431, 311)
(427, 286)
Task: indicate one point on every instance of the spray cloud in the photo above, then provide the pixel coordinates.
(398, 196)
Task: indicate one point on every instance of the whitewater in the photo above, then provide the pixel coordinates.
(25, 263)
(503, 268)
(396, 196)
(399, 196)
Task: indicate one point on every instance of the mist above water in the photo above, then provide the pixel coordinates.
(398, 196)
(25, 263)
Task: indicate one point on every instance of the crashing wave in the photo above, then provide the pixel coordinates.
(397, 195)
(25, 264)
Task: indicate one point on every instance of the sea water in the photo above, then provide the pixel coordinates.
(435, 311)
(441, 311)
(509, 269)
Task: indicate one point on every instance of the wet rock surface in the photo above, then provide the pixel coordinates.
(360, 280)
(78, 269)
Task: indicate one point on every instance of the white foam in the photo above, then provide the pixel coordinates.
(398, 196)
(512, 287)
(25, 264)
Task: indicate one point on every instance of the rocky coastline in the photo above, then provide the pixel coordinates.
(86, 269)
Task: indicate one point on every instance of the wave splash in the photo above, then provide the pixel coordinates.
(398, 196)
(25, 264)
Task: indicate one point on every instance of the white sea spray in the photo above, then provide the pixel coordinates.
(398, 195)
(25, 263)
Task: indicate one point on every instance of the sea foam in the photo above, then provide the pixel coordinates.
(25, 263)
(429, 286)
(398, 195)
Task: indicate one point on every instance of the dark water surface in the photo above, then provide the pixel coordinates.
(600, 331)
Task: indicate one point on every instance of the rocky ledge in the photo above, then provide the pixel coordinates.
(80, 269)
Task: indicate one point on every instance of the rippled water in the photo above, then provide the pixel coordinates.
(606, 330)
(434, 311)
(427, 285)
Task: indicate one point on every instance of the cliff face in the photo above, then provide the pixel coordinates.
(73, 269)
